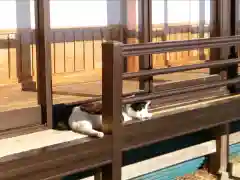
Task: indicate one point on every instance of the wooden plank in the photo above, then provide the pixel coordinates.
(21, 131)
(57, 160)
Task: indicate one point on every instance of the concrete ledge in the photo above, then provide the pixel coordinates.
(37, 140)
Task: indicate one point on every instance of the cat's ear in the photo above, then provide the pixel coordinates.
(148, 103)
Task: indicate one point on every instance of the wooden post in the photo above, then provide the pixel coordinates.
(219, 162)
(43, 51)
(233, 69)
(112, 105)
(165, 31)
(145, 61)
(214, 32)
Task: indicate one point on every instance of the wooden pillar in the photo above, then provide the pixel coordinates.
(233, 69)
(43, 51)
(112, 106)
(219, 161)
(132, 64)
(166, 32)
(214, 32)
(145, 23)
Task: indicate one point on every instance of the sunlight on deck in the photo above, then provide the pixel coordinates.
(14, 98)
(14, 145)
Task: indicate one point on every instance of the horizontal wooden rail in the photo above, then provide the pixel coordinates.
(153, 72)
(170, 46)
(184, 120)
(96, 99)
(181, 91)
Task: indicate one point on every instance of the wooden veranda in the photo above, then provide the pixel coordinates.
(182, 103)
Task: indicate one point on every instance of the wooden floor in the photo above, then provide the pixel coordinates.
(14, 98)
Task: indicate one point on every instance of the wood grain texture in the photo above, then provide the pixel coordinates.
(58, 160)
(182, 120)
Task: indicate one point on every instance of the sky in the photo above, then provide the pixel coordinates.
(83, 13)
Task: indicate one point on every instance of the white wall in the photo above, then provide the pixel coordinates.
(80, 13)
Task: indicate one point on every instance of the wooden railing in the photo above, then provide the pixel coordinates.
(78, 51)
(168, 125)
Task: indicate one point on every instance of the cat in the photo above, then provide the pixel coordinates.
(88, 119)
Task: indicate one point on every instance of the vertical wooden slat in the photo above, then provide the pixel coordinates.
(97, 50)
(33, 55)
(201, 26)
(165, 31)
(79, 51)
(64, 52)
(59, 52)
(44, 75)
(88, 51)
(9, 57)
(53, 50)
(13, 56)
(19, 58)
(145, 62)
(69, 51)
(74, 51)
(112, 105)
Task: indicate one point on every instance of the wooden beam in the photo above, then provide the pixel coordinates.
(145, 61)
(219, 162)
(43, 51)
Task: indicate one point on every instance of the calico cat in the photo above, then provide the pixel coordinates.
(88, 119)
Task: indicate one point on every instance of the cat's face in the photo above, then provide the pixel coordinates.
(139, 110)
(136, 110)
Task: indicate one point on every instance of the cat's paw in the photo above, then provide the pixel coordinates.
(146, 117)
(150, 115)
(100, 134)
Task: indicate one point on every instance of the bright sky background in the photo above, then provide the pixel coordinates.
(80, 13)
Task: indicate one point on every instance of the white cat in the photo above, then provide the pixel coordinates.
(89, 120)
